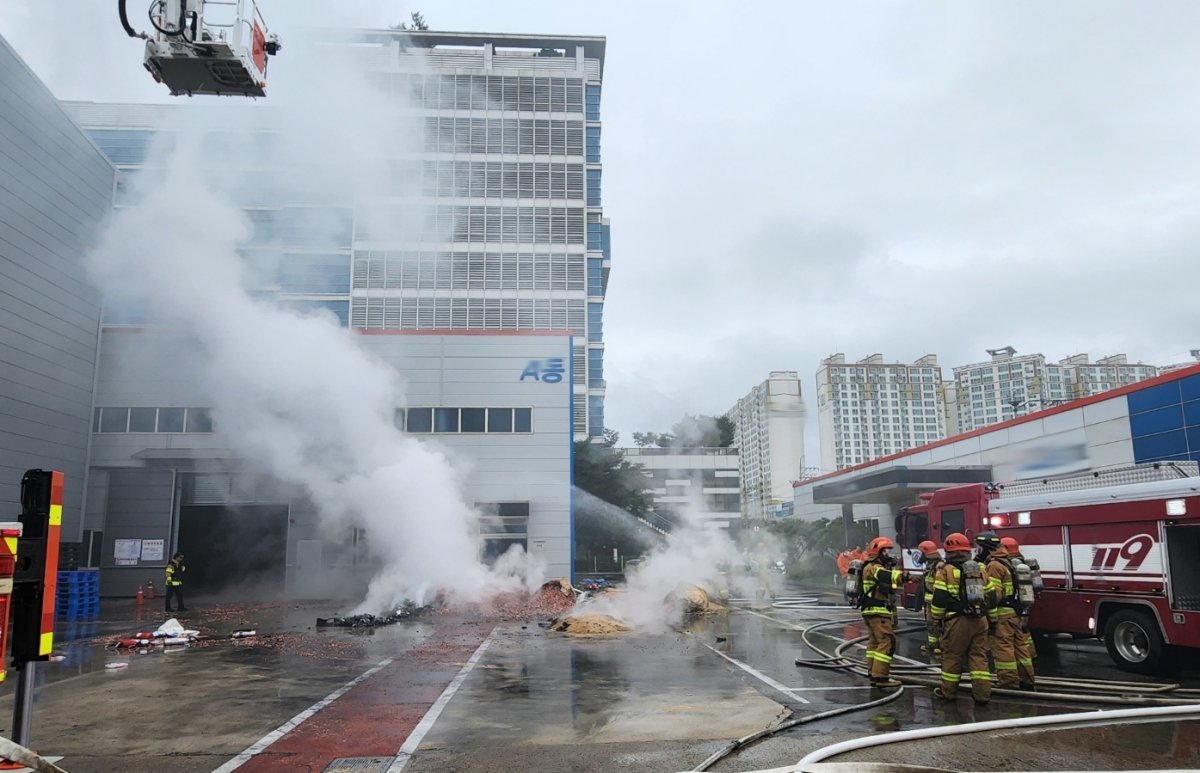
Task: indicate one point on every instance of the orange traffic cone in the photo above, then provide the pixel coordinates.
(140, 598)
(150, 589)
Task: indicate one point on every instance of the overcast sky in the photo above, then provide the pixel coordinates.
(790, 179)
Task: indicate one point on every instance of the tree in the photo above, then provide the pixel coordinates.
(417, 21)
(603, 472)
(725, 430)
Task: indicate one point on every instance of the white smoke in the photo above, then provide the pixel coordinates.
(296, 394)
(693, 555)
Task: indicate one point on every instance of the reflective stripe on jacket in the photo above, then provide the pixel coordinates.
(174, 574)
(999, 586)
(931, 570)
(879, 588)
(946, 602)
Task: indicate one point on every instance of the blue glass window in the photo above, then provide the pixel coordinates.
(595, 277)
(315, 274)
(420, 420)
(445, 420)
(595, 415)
(593, 145)
(592, 98)
(122, 146)
(596, 368)
(340, 309)
(522, 420)
(595, 322)
(593, 187)
(605, 240)
(595, 236)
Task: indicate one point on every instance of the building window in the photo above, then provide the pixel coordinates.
(592, 102)
(143, 419)
(592, 136)
(114, 419)
(453, 421)
(170, 420)
(473, 419)
(595, 322)
(593, 187)
(445, 420)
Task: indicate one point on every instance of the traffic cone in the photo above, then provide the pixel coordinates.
(141, 599)
(150, 589)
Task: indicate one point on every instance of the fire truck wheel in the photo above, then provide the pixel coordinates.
(1135, 643)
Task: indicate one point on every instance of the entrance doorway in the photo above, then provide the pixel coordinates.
(234, 547)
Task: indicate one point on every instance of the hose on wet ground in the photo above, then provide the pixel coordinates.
(1075, 719)
(16, 753)
(745, 741)
(1083, 690)
(924, 675)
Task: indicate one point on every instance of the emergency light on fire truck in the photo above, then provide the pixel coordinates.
(206, 46)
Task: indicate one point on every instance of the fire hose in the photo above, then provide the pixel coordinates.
(30, 759)
(1077, 719)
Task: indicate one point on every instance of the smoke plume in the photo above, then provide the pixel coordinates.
(294, 392)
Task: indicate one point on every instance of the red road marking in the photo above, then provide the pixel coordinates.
(374, 718)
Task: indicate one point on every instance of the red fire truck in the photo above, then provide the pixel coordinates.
(1119, 559)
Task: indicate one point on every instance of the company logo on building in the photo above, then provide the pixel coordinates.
(549, 371)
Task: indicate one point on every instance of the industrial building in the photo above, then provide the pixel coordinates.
(769, 435)
(496, 340)
(494, 220)
(55, 192)
(692, 485)
(1156, 420)
(163, 472)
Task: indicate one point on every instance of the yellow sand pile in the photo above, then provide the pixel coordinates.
(696, 601)
(590, 625)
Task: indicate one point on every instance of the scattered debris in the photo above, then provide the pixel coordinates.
(371, 621)
(551, 600)
(115, 666)
(590, 625)
(595, 584)
(694, 600)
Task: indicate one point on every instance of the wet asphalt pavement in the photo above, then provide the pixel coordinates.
(530, 700)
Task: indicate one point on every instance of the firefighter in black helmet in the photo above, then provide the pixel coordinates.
(1004, 624)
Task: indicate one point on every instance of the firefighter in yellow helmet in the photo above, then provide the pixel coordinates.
(933, 561)
(1023, 644)
(959, 612)
(880, 581)
(1004, 624)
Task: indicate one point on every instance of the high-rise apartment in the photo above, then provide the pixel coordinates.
(872, 408)
(499, 205)
(1011, 385)
(769, 435)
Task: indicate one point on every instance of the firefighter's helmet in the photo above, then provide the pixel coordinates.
(957, 542)
(988, 541)
(878, 545)
(929, 549)
(1010, 544)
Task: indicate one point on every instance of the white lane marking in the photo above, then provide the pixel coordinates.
(823, 689)
(258, 746)
(760, 676)
(418, 734)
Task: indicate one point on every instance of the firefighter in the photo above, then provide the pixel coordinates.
(1024, 641)
(1004, 624)
(880, 581)
(933, 562)
(959, 613)
(175, 570)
